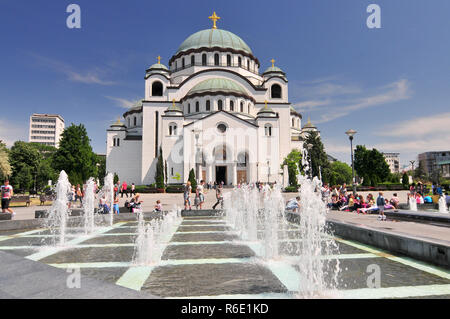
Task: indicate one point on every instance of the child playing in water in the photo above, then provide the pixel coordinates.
(158, 206)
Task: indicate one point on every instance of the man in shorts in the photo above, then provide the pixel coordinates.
(7, 192)
(380, 203)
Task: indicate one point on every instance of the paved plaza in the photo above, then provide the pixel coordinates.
(205, 258)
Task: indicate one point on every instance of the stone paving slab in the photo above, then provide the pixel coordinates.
(207, 251)
(22, 278)
(212, 279)
(88, 255)
(219, 236)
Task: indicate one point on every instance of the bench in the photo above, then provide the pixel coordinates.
(46, 198)
(21, 199)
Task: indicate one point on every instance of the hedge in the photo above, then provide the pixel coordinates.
(291, 189)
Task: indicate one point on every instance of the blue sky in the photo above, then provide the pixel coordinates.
(392, 84)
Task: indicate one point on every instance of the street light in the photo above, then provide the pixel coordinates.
(412, 164)
(350, 134)
(309, 147)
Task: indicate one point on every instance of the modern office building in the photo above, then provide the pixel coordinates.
(393, 160)
(46, 129)
(432, 162)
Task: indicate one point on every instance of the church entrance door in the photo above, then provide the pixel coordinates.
(221, 174)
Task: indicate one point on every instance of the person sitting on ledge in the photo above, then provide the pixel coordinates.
(395, 201)
(293, 204)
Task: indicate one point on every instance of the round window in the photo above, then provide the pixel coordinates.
(222, 128)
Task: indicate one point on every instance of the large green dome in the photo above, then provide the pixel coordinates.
(211, 38)
(217, 85)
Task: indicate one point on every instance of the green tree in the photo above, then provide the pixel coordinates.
(371, 166)
(5, 166)
(319, 158)
(75, 155)
(192, 179)
(419, 172)
(115, 178)
(101, 168)
(405, 180)
(24, 160)
(159, 175)
(340, 173)
(165, 172)
(293, 162)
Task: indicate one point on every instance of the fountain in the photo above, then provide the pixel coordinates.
(59, 212)
(443, 204)
(412, 203)
(152, 237)
(301, 247)
(88, 207)
(315, 241)
(108, 192)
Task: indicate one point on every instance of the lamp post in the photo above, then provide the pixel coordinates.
(412, 165)
(350, 134)
(197, 151)
(268, 171)
(309, 147)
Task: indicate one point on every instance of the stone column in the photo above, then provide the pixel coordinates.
(234, 172)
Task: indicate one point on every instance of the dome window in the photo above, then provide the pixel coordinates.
(228, 60)
(189, 108)
(216, 59)
(135, 121)
(242, 107)
(192, 60)
(276, 91)
(208, 105)
(197, 107)
(239, 62)
(204, 59)
(232, 106)
(220, 105)
(182, 63)
(157, 88)
(268, 130)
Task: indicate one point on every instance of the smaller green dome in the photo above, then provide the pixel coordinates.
(159, 66)
(217, 85)
(273, 69)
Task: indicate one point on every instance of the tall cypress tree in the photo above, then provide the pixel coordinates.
(192, 179)
(159, 176)
(319, 159)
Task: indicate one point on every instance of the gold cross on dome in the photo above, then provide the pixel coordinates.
(159, 59)
(265, 102)
(173, 102)
(214, 19)
(273, 62)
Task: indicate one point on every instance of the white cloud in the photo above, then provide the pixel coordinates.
(11, 132)
(392, 92)
(307, 105)
(123, 102)
(435, 126)
(89, 77)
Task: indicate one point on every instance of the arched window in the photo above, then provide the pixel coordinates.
(220, 105)
(192, 59)
(268, 130)
(248, 110)
(228, 60)
(293, 122)
(172, 129)
(129, 122)
(242, 107)
(248, 64)
(208, 105)
(134, 121)
(157, 88)
(204, 59)
(216, 59)
(239, 62)
(189, 108)
(176, 65)
(197, 106)
(232, 106)
(242, 159)
(182, 63)
(276, 91)
(220, 153)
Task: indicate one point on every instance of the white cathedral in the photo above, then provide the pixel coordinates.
(211, 111)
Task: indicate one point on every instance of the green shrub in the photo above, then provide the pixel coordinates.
(175, 189)
(291, 189)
